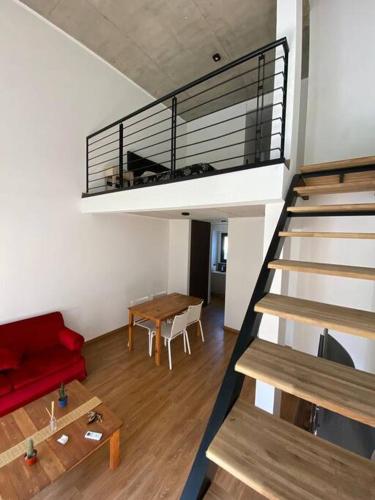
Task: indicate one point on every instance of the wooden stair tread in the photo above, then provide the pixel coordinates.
(343, 319)
(349, 207)
(366, 273)
(343, 187)
(333, 386)
(349, 176)
(280, 460)
(326, 234)
(332, 165)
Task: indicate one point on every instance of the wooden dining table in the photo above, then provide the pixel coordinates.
(159, 310)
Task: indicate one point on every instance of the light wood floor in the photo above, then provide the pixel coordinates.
(164, 413)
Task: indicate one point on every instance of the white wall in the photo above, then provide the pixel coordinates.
(245, 257)
(179, 255)
(341, 103)
(53, 92)
(340, 124)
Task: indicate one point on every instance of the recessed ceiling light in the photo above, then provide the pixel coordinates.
(185, 213)
(216, 57)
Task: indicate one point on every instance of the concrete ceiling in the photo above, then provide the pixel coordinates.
(208, 214)
(163, 44)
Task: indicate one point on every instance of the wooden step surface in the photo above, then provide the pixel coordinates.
(349, 207)
(332, 165)
(348, 176)
(365, 273)
(282, 461)
(343, 319)
(325, 234)
(343, 187)
(333, 386)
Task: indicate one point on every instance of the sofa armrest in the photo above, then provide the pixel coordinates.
(70, 339)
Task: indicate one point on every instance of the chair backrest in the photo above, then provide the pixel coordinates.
(179, 324)
(194, 313)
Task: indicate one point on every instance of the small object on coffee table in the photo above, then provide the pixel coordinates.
(95, 436)
(63, 439)
(31, 453)
(94, 416)
(63, 397)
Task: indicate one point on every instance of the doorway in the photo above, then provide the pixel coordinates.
(218, 261)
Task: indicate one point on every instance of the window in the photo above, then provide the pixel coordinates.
(224, 247)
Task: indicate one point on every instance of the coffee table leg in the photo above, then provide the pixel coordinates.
(114, 450)
(130, 331)
(158, 343)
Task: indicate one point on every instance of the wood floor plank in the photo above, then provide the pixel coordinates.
(333, 386)
(348, 207)
(343, 187)
(343, 319)
(326, 234)
(365, 273)
(331, 165)
(280, 460)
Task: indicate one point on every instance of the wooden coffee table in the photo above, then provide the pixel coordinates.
(17, 479)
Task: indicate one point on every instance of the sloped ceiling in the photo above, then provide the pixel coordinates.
(163, 44)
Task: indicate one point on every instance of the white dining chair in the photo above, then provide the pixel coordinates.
(194, 316)
(147, 324)
(170, 331)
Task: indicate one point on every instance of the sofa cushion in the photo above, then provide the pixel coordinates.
(5, 385)
(9, 359)
(40, 364)
(32, 334)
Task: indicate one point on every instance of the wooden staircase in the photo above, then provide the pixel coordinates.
(268, 454)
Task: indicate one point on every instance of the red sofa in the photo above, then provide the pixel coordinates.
(36, 355)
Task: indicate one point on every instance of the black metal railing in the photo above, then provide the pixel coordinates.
(230, 119)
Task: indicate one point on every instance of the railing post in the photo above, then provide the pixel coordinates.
(87, 164)
(260, 104)
(173, 136)
(285, 89)
(121, 155)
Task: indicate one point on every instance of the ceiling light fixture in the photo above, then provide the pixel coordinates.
(216, 57)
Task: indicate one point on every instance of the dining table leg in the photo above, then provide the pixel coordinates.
(130, 331)
(158, 343)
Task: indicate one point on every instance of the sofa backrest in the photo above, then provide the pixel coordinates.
(32, 334)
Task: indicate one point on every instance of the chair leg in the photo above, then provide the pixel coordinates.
(200, 326)
(169, 354)
(165, 342)
(187, 341)
(150, 343)
(183, 336)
